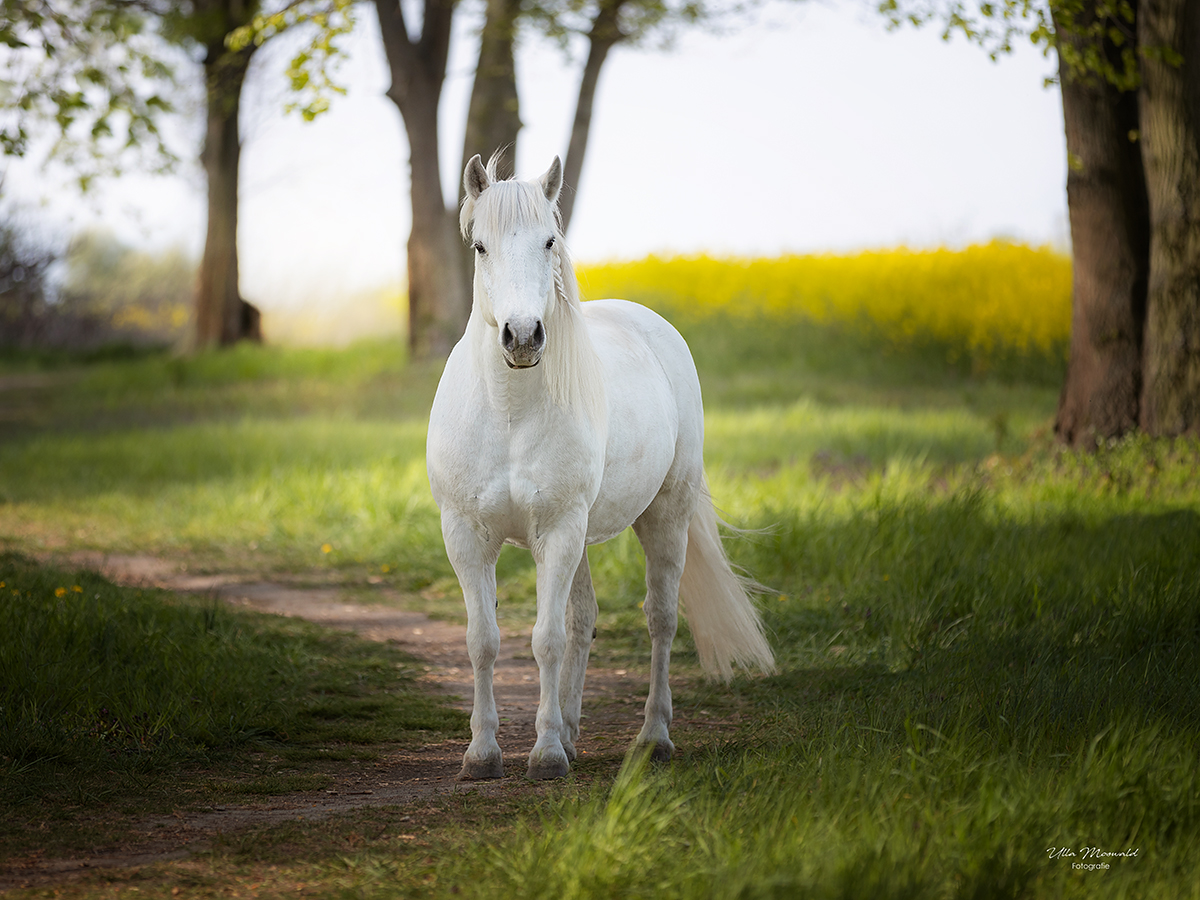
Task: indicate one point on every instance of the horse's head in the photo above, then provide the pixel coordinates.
(513, 228)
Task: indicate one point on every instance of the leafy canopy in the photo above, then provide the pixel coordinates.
(94, 73)
(1101, 42)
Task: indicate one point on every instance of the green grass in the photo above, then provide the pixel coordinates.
(826, 819)
(988, 646)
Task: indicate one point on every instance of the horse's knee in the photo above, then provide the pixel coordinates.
(549, 642)
(483, 644)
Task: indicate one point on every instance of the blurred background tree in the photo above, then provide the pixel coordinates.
(1130, 77)
(25, 261)
(603, 25)
(90, 77)
(222, 316)
(144, 298)
(96, 292)
(227, 34)
(95, 76)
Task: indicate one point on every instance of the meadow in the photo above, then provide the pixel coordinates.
(988, 645)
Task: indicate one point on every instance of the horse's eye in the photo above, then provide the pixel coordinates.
(550, 243)
(479, 248)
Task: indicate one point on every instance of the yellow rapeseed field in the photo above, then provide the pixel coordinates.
(985, 301)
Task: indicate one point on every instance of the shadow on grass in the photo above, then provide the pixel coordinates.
(111, 694)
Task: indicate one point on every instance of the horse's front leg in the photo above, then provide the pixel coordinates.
(557, 555)
(474, 561)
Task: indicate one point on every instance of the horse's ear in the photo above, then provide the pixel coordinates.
(552, 181)
(475, 178)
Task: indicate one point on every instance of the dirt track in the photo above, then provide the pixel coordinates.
(612, 711)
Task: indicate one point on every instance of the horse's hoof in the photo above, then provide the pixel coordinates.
(657, 751)
(545, 767)
(547, 771)
(662, 751)
(482, 769)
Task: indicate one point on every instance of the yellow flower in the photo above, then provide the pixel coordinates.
(385, 568)
(327, 548)
(60, 592)
(979, 303)
(76, 589)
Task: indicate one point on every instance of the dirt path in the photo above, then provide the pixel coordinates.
(612, 710)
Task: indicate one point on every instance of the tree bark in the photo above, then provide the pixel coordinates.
(438, 300)
(1106, 200)
(222, 316)
(1170, 129)
(494, 113)
(604, 34)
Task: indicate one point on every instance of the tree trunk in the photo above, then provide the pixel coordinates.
(222, 316)
(1106, 199)
(605, 32)
(1170, 128)
(438, 299)
(494, 114)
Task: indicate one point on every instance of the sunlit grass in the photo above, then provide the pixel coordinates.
(845, 814)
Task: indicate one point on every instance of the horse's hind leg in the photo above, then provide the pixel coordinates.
(581, 624)
(662, 530)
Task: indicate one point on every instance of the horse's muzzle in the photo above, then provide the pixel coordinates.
(523, 341)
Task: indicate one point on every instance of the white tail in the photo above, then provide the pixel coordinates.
(724, 623)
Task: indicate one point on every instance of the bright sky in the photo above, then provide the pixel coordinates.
(811, 129)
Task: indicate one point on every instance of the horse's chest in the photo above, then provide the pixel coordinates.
(518, 482)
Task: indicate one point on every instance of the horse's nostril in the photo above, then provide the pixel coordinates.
(507, 338)
(539, 336)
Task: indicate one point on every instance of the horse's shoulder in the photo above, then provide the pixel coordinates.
(638, 331)
(626, 321)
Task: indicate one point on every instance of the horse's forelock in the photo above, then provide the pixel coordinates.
(507, 204)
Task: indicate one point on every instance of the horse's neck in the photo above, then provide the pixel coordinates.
(509, 391)
(550, 384)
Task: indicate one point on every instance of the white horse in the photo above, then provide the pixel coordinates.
(558, 424)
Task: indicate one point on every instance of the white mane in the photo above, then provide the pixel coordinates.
(573, 373)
